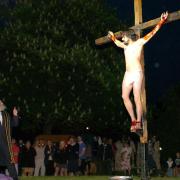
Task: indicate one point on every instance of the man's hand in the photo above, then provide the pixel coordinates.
(15, 111)
(164, 16)
(12, 160)
(111, 35)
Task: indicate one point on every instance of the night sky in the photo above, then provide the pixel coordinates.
(162, 60)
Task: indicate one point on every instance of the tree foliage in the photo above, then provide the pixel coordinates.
(166, 121)
(51, 68)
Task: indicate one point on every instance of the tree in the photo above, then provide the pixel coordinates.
(165, 123)
(51, 68)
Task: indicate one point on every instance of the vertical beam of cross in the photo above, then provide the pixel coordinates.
(143, 138)
(138, 20)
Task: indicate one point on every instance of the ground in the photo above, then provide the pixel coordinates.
(91, 178)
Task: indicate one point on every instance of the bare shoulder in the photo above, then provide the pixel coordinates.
(140, 41)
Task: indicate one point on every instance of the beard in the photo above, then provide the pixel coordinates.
(126, 43)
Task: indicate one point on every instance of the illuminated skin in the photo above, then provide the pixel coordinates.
(134, 73)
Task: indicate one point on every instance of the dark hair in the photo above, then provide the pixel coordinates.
(130, 34)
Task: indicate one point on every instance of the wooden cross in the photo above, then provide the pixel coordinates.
(138, 28)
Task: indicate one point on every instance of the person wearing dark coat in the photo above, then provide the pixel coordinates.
(49, 158)
(6, 154)
(28, 159)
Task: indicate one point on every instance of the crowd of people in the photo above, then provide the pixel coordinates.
(78, 157)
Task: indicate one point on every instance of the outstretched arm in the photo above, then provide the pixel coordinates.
(15, 118)
(116, 41)
(147, 37)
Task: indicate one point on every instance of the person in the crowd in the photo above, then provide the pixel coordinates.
(15, 150)
(177, 164)
(28, 159)
(170, 164)
(119, 146)
(126, 158)
(82, 155)
(39, 158)
(60, 159)
(6, 154)
(105, 157)
(73, 156)
(49, 161)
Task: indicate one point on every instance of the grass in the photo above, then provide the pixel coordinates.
(90, 178)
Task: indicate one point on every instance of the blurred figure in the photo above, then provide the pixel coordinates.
(60, 160)
(133, 154)
(170, 167)
(119, 147)
(21, 146)
(156, 154)
(151, 162)
(49, 161)
(28, 159)
(15, 150)
(126, 158)
(6, 153)
(73, 156)
(39, 158)
(177, 164)
(82, 156)
(105, 157)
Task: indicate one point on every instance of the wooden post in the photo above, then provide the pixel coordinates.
(138, 20)
(143, 136)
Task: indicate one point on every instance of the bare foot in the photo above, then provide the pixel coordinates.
(133, 126)
(138, 125)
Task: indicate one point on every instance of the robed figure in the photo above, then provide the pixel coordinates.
(6, 154)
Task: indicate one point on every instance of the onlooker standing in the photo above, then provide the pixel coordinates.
(177, 164)
(151, 162)
(133, 154)
(60, 160)
(6, 155)
(49, 161)
(126, 158)
(21, 147)
(73, 156)
(119, 146)
(28, 162)
(39, 158)
(82, 156)
(15, 150)
(170, 167)
(105, 157)
(89, 159)
(156, 153)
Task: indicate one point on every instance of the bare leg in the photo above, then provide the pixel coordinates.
(56, 171)
(126, 89)
(137, 98)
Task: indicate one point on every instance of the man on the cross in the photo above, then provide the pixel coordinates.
(134, 74)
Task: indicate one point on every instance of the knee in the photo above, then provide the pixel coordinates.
(125, 97)
(137, 99)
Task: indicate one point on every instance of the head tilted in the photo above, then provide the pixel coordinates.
(129, 35)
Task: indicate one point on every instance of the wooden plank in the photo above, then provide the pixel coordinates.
(105, 39)
(171, 17)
